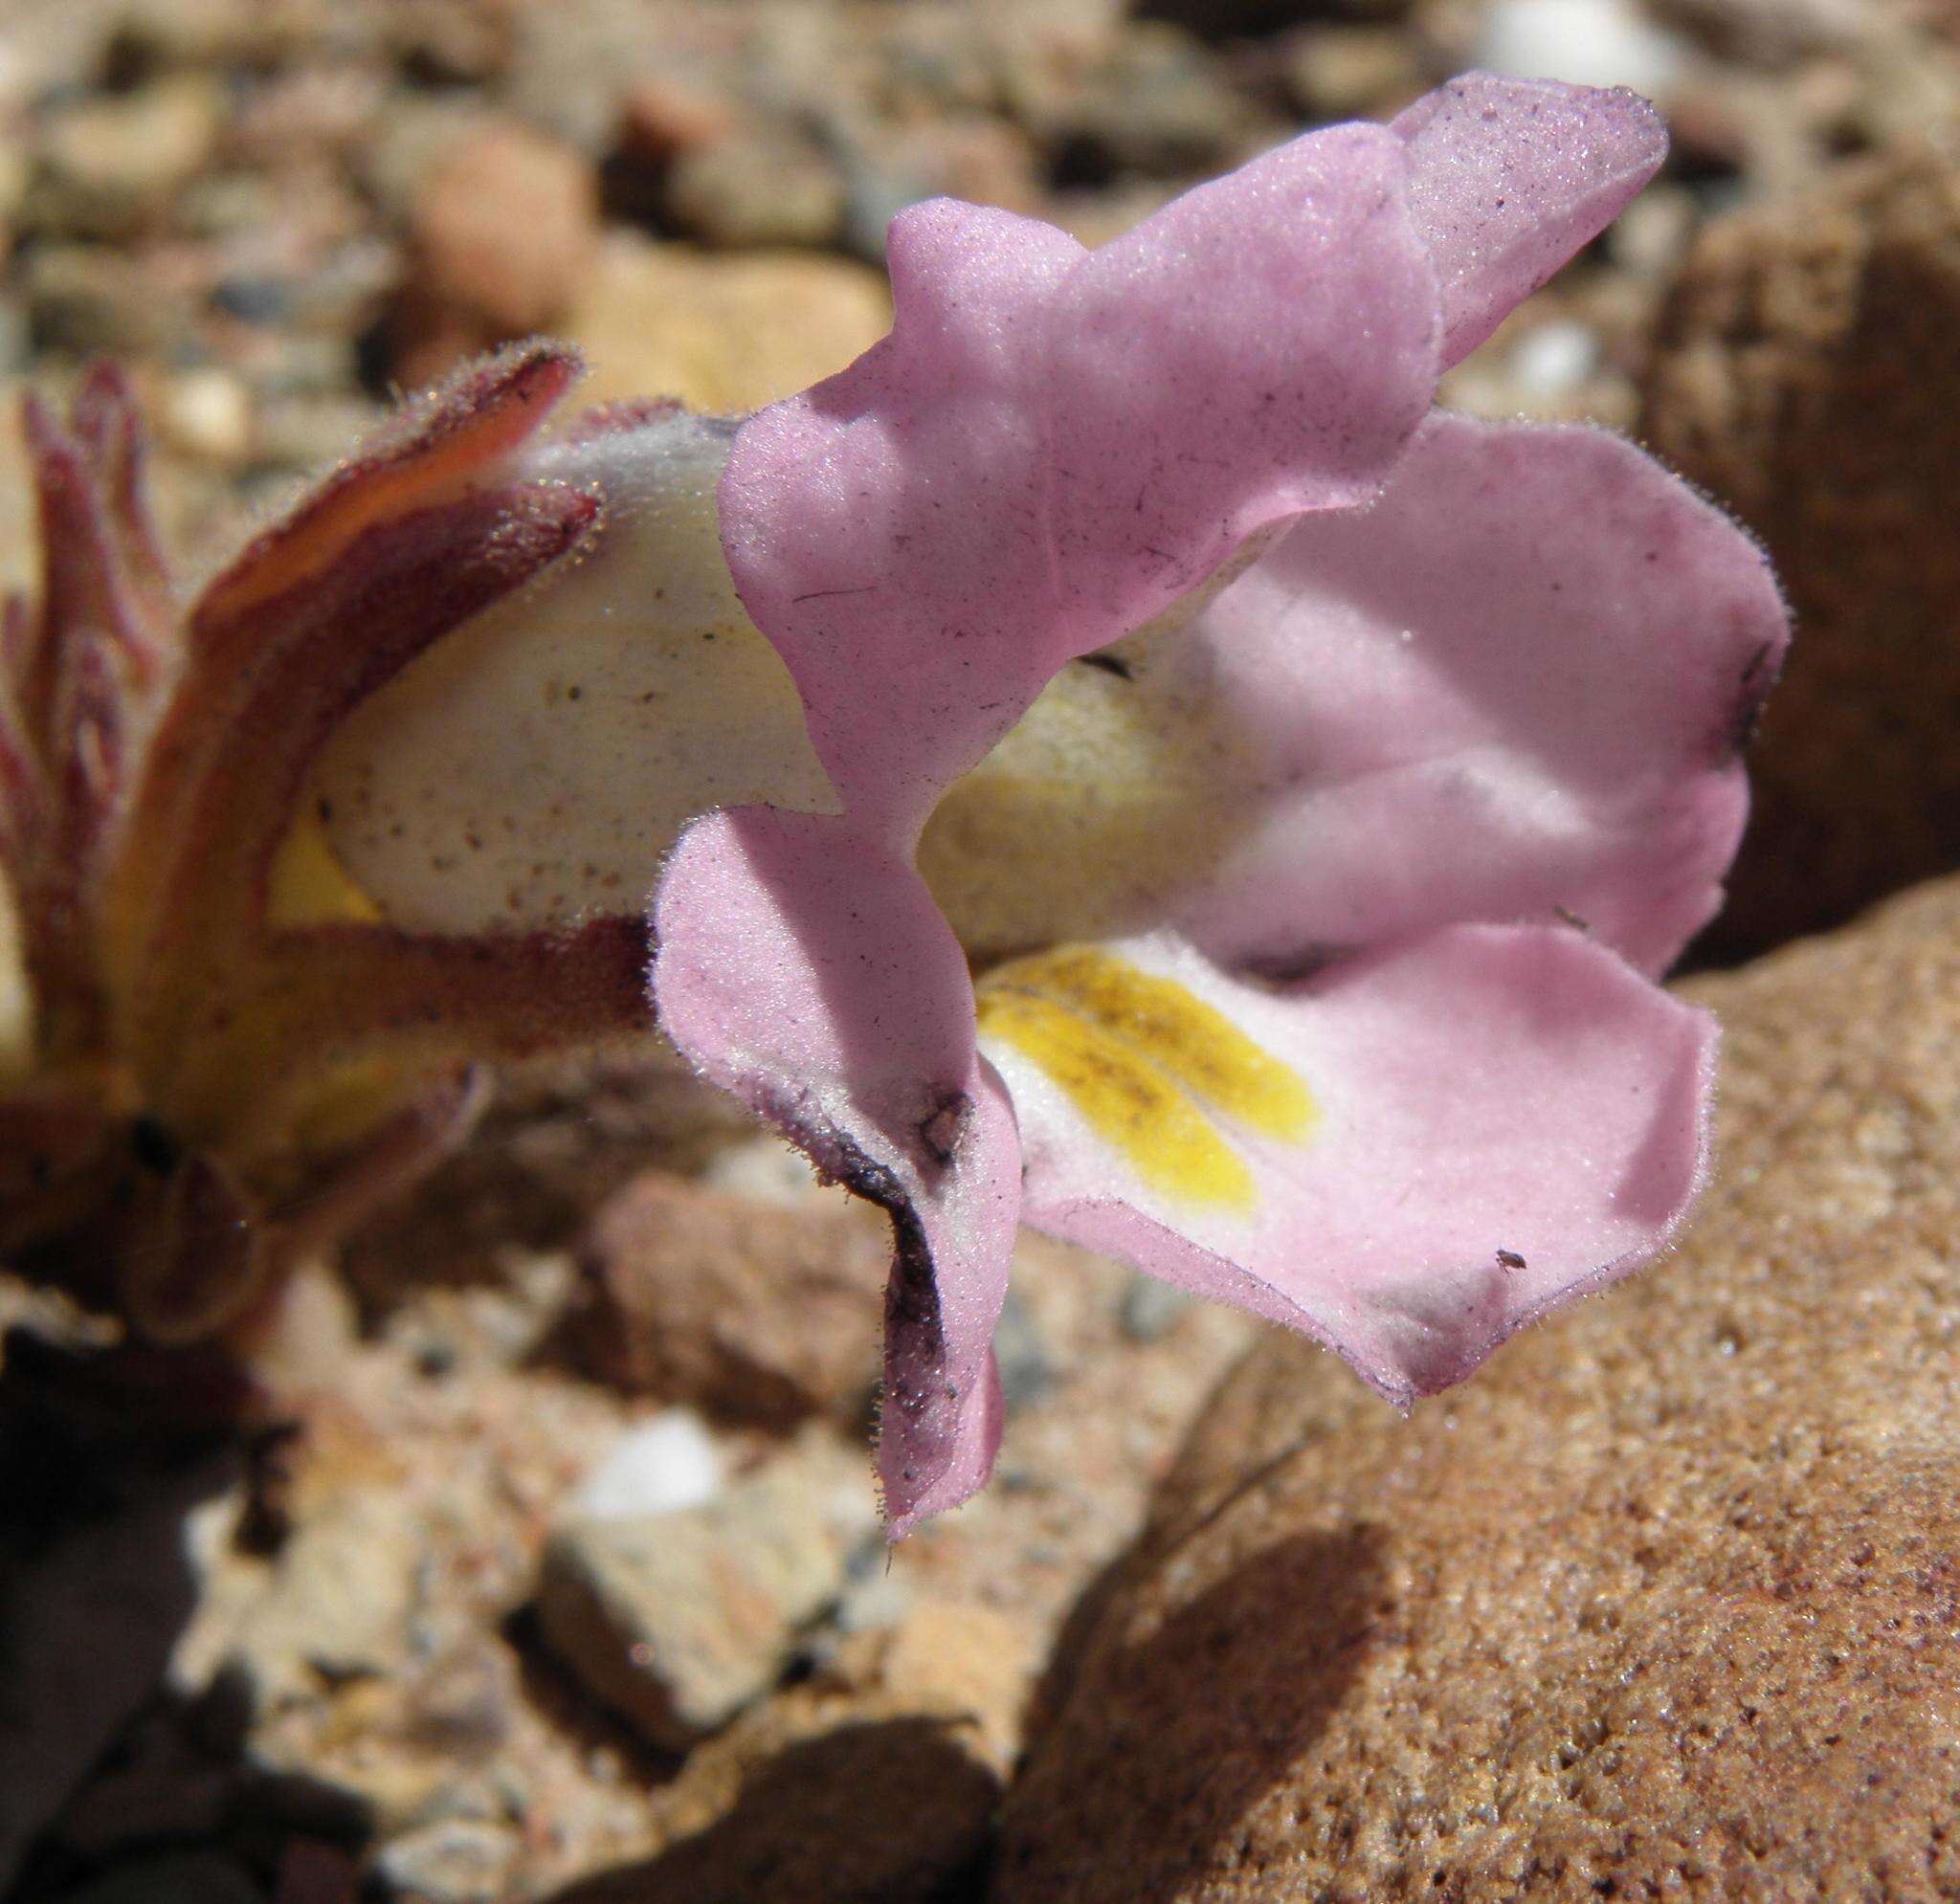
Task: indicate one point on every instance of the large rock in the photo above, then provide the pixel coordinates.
(1806, 371)
(1665, 1600)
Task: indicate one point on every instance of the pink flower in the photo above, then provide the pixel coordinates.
(1298, 942)
(1162, 782)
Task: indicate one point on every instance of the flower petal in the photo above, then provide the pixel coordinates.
(1052, 450)
(1052, 445)
(1511, 177)
(1517, 686)
(1419, 1153)
(530, 769)
(807, 971)
(1260, 347)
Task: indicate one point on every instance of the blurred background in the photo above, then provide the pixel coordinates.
(405, 1646)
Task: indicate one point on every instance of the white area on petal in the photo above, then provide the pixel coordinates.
(532, 767)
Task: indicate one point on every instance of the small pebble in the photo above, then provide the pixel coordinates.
(1554, 360)
(1150, 1308)
(453, 1861)
(1585, 42)
(664, 1465)
(208, 414)
(679, 1620)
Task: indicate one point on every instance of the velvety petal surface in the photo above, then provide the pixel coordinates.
(1049, 449)
(1509, 178)
(1517, 686)
(1408, 1158)
(1052, 444)
(807, 972)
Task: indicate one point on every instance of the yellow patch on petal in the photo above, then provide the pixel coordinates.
(1132, 1052)
(307, 885)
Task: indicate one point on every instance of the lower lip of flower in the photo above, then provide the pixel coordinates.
(1155, 1071)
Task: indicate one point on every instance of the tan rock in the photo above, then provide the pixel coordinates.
(1663, 1602)
(756, 187)
(723, 334)
(756, 1312)
(1344, 71)
(679, 1620)
(334, 1598)
(109, 167)
(1807, 374)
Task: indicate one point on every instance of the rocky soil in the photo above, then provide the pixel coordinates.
(548, 1568)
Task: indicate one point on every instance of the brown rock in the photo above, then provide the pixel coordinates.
(1663, 1601)
(723, 334)
(504, 232)
(874, 1780)
(1808, 373)
(561, 1135)
(665, 115)
(756, 1312)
